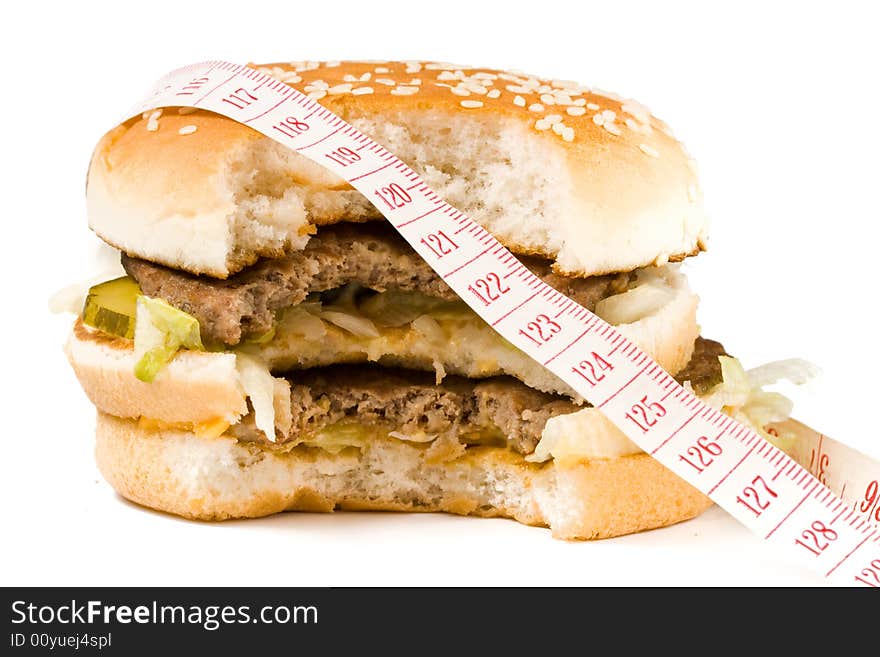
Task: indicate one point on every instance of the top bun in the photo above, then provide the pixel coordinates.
(588, 180)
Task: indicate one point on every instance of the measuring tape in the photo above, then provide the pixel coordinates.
(806, 510)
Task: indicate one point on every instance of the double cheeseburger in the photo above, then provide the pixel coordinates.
(274, 345)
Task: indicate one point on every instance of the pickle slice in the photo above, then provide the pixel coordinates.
(110, 306)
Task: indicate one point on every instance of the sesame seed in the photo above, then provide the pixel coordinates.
(519, 101)
(416, 82)
(472, 104)
(340, 89)
(317, 95)
(299, 67)
(536, 107)
(592, 106)
(484, 76)
(598, 119)
(611, 127)
(388, 82)
(382, 70)
(401, 90)
(548, 99)
(542, 124)
(494, 93)
(633, 125)
(562, 99)
(575, 111)
(186, 110)
(442, 66)
(558, 128)
(648, 150)
(580, 102)
(361, 91)
(474, 87)
(187, 130)
(518, 89)
(460, 91)
(447, 75)
(153, 120)
(355, 78)
(568, 134)
(280, 74)
(554, 118)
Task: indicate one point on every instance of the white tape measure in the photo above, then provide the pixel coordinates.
(769, 492)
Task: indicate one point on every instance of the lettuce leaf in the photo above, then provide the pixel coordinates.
(160, 331)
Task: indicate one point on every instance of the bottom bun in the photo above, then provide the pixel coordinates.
(222, 478)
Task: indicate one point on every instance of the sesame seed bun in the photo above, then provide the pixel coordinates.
(588, 180)
(221, 478)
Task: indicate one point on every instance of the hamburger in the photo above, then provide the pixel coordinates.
(275, 345)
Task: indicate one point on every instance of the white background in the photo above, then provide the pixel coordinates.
(780, 107)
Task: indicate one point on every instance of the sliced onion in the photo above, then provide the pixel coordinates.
(429, 329)
(419, 437)
(301, 321)
(634, 304)
(354, 324)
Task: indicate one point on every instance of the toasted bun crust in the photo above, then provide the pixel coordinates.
(584, 178)
(203, 386)
(219, 478)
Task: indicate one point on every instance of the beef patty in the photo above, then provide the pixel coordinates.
(373, 255)
(499, 410)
